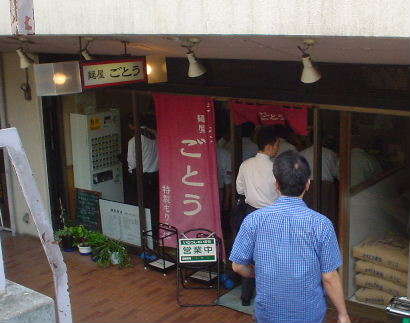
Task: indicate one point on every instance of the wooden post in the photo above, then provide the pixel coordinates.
(139, 173)
(10, 140)
(2, 275)
(344, 193)
(22, 17)
(236, 152)
(62, 150)
(317, 160)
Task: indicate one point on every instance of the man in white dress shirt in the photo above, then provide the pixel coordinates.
(329, 187)
(330, 163)
(256, 182)
(363, 166)
(224, 176)
(249, 148)
(283, 133)
(225, 187)
(149, 165)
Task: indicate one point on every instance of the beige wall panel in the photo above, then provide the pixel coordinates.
(280, 17)
(26, 116)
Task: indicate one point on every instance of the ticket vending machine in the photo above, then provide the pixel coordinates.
(96, 144)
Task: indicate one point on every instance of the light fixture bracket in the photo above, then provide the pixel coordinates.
(189, 44)
(84, 52)
(307, 45)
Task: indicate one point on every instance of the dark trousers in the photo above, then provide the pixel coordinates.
(248, 284)
(151, 198)
(150, 188)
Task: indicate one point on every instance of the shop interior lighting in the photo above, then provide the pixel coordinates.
(149, 69)
(156, 68)
(25, 60)
(59, 78)
(310, 73)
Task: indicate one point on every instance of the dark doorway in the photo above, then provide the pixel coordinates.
(54, 136)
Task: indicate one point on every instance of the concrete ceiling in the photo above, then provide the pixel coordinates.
(275, 48)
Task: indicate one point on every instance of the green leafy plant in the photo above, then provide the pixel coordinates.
(104, 251)
(102, 246)
(64, 233)
(65, 238)
(81, 236)
(96, 239)
(79, 233)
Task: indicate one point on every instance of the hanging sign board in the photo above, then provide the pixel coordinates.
(197, 250)
(113, 72)
(186, 144)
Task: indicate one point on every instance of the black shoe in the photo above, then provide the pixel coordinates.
(246, 302)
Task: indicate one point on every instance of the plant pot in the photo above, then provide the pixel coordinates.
(67, 244)
(115, 258)
(84, 250)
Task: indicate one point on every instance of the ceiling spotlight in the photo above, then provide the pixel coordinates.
(86, 55)
(310, 74)
(195, 68)
(25, 60)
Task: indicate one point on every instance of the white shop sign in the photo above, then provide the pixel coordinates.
(113, 72)
(197, 250)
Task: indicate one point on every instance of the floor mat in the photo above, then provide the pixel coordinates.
(233, 301)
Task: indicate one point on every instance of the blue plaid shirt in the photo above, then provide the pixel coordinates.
(291, 246)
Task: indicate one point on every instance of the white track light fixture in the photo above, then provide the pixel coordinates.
(310, 74)
(25, 60)
(86, 55)
(195, 68)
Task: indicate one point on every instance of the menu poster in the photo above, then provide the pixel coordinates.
(121, 222)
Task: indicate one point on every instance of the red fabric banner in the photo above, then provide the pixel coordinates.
(187, 162)
(294, 115)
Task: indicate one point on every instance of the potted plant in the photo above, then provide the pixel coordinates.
(65, 237)
(96, 240)
(112, 252)
(82, 239)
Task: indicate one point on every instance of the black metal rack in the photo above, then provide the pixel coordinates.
(164, 261)
(206, 273)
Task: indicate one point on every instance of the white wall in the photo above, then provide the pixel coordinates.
(26, 116)
(278, 17)
(5, 23)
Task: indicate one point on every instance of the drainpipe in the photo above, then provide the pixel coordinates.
(7, 165)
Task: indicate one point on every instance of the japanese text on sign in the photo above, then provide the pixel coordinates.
(266, 116)
(197, 250)
(166, 201)
(108, 73)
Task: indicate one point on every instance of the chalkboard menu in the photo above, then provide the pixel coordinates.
(88, 209)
